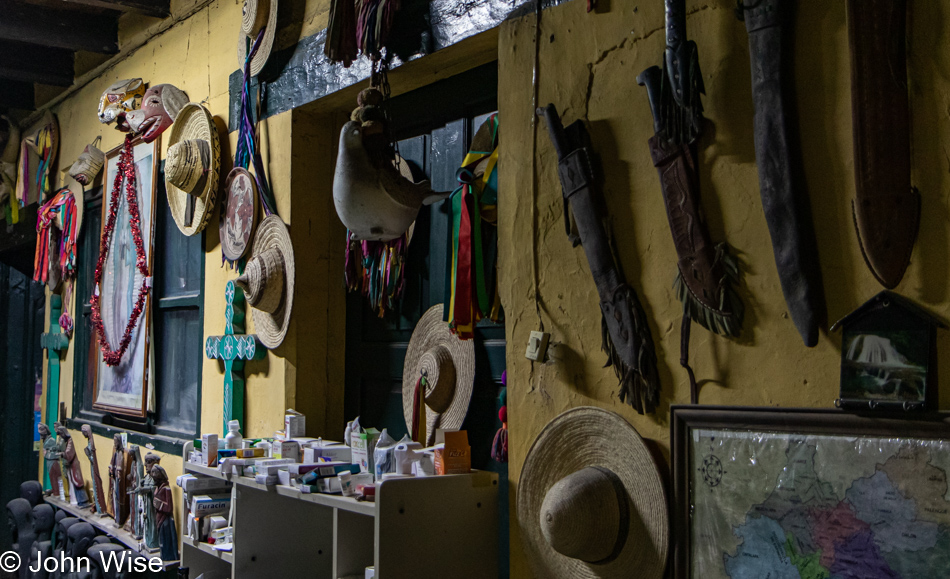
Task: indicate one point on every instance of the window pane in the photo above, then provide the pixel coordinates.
(178, 367)
(177, 264)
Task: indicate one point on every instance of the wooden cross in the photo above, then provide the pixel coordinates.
(234, 348)
(54, 343)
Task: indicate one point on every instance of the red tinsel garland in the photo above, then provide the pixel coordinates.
(126, 169)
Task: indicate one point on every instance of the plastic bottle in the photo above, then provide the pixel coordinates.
(234, 439)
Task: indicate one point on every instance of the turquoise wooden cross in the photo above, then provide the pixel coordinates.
(54, 343)
(234, 348)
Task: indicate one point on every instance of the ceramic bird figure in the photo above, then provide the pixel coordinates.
(373, 199)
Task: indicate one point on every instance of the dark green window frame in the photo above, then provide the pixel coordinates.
(161, 434)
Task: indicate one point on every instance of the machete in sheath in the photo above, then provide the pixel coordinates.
(624, 328)
(793, 236)
(706, 272)
(886, 207)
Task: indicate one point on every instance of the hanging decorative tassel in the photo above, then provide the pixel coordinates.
(63, 204)
(247, 146)
(341, 33)
(499, 446)
(472, 292)
(374, 21)
(377, 269)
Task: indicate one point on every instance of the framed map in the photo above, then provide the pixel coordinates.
(809, 494)
(124, 389)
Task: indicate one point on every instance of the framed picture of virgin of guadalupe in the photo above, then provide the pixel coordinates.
(124, 387)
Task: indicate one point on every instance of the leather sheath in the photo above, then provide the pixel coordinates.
(783, 201)
(625, 328)
(886, 208)
(700, 264)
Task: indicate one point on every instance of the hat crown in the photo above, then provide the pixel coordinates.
(263, 280)
(186, 163)
(437, 366)
(581, 514)
(254, 16)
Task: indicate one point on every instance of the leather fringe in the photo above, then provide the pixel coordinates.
(716, 320)
(640, 386)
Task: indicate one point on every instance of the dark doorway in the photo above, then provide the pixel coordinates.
(22, 305)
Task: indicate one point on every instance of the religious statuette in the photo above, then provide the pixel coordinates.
(77, 490)
(164, 511)
(98, 492)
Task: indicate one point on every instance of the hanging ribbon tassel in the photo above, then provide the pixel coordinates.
(341, 33)
(471, 291)
(377, 269)
(419, 410)
(374, 21)
(247, 148)
(64, 204)
(499, 446)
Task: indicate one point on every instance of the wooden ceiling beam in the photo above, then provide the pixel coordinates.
(153, 8)
(67, 29)
(16, 94)
(32, 63)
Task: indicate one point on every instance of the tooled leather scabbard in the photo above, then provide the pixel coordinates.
(783, 200)
(886, 208)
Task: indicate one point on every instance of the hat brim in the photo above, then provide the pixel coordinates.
(432, 331)
(576, 439)
(271, 328)
(195, 122)
(267, 43)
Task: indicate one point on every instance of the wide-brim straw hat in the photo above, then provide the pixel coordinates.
(437, 352)
(268, 281)
(567, 504)
(257, 13)
(194, 123)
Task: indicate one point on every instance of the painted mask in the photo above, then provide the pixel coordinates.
(123, 96)
(159, 110)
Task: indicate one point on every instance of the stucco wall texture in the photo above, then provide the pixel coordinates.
(587, 66)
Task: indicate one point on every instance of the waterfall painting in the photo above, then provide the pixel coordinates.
(888, 355)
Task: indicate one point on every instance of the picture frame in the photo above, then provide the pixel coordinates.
(831, 493)
(126, 389)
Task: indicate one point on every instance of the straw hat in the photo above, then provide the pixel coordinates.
(591, 502)
(449, 366)
(192, 165)
(268, 281)
(238, 213)
(255, 15)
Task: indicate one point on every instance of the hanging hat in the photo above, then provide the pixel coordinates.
(256, 15)
(268, 281)
(238, 212)
(192, 166)
(591, 502)
(448, 365)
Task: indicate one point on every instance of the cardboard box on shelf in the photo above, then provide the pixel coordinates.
(364, 443)
(209, 449)
(295, 424)
(453, 455)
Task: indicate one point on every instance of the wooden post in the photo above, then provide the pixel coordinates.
(234, 347)
(54, 343)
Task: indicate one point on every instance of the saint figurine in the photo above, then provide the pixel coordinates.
(146, 492)
(164, 516)
(52, 453)
(98, 492)
(133, 459)
(77, 486)
(118, 470)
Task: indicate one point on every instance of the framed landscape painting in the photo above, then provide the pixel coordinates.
(809, 494)
(124, 389)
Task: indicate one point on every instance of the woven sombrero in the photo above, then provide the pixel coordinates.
(268, 281)
(449, 367)
(591, 502)
(192, 166)
(257, 14)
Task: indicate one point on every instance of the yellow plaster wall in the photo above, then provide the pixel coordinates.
(198, 55)
(588, 68)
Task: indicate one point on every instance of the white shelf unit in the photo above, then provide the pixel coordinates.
(424, 527)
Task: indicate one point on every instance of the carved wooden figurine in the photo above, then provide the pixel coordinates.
(118, 471)
(52, 452)
(98, 492)
(133, 458)
(164, 516)
(77, 489)
(146, 494)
